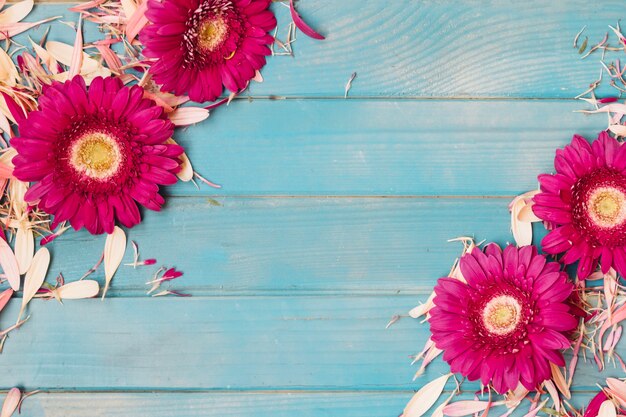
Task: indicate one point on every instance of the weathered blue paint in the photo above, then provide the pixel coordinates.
(333, 217)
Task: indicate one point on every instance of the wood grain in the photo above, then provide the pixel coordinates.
(434, 48)
(223, 343)
(296, 245)
(382, 147)
(285, 404)
(298, 263)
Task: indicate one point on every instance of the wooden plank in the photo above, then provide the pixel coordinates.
(216, 405)
(381, 147)
(312, 245)
(431, 48)
(288, 404)
(225, 343)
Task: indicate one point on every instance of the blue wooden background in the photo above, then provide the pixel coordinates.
(334, 215)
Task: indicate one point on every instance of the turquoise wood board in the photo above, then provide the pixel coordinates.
(383, 147)
(334, 216)
(284, 404)
(407, 48)
(277, 343)
(296, 245)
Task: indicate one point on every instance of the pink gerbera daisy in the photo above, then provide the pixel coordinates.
(94, 154)
(201, 46)
(508, 321)
(586, 203)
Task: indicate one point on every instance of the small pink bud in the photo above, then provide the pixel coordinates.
(171, 273)
(149, 261)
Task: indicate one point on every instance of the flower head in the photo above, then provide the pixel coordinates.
(200, 46)
(508, 321)
(94, 154)
(586, 202)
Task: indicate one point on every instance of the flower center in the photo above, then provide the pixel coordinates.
(96, 155)
(607, 206)
(501, 314)
(212, 33)
(598, 201)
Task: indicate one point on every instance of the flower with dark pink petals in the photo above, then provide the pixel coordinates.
(200, 46)
(508, 321)
(94, 154)
(586, 202)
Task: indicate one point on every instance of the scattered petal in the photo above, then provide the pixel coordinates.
(9, 265)
(114, 249)
(302, 25)
(426, 397)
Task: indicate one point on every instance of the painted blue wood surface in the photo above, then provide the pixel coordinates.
(383, 147)
(257, 343)
(297, 245)
(406, 48)
(334, 216)
(209, 404)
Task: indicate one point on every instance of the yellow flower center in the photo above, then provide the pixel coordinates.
(212, 33)
(607, 207)
(96, 154)
(501, 314)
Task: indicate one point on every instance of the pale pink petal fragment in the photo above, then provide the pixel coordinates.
(559, 381)
(515, 397)
(9, 30)
(526, 214)
(35, 276)
(64, 53)
(465, 408)
(110, 57)
(426, 397)
(302, 25)
(45, 57)
(619, 130)
(8, 70)
(86, 6)
(11, 402)
(617, 388)
(554, 394)
(607, 409)
(609, 108)
(77, 55)
(24, 248)
(78, 290)
(185, 116)
(16, 12)
(5, 296)
(9, 265)
(114, 249)
(129, 7)
(137, 21)
(522, 230)
(186, 170)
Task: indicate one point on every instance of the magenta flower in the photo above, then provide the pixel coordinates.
(508, 321)
(586, 201)
(200, 46)
(94, 155)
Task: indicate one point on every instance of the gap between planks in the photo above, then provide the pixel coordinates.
(237, 392)
(343, 197)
